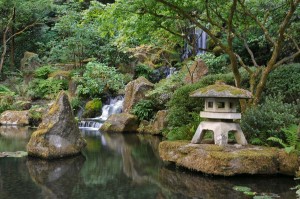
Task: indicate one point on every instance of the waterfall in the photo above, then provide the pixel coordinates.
(114, 106)
(200, 38)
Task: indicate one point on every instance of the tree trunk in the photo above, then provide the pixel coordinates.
(12, 42)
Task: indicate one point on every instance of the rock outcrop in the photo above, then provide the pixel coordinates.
(18, 118)
(119, 123)
(230, 159)
(197, 70)
(58, 135)
(135, 91)
(156, 126)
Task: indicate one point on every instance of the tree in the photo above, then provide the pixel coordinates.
(229, 22)
(17, 17)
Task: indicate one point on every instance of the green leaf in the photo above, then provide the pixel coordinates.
(242, 188)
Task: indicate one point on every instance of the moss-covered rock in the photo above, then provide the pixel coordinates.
(58, 135)
(121, 123)
(92, 108)
(229, 160)
(20, 118)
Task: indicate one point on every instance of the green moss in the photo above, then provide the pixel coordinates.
(92, 108)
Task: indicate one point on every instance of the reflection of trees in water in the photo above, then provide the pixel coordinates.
(56, 178)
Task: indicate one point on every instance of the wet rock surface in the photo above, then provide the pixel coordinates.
(119, 123)
(58, 135)
(229, 160)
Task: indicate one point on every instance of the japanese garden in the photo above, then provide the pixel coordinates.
(150, 99)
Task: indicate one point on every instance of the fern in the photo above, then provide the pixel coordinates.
(292, 140)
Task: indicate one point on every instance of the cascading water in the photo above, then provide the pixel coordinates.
(115, 106)
(200, 38)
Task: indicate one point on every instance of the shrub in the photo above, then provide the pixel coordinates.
(142, 70)
(164, 90)
(43, 72)
(215, 64)
(266, 120)
(285, 80)
(46, 88)
(144, 109)
(35, 115)
(6, 101)
(185, 132)
(99, 78)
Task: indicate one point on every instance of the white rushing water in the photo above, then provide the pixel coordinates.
(115, 106)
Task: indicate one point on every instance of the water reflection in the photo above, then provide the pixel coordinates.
(193, 185)
(56, 178)
(13, 138)
(118, 166)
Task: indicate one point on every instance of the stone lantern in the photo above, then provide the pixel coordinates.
(220, 112)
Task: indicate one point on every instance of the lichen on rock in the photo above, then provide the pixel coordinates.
(58, 135)
(229, 160)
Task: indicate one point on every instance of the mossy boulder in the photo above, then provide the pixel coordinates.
(58, 135)
(229, 160)
(18, 118)
(92, 108)
(121, 123)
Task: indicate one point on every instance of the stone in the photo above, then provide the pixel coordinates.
(15, 132)
(19, 118)
(135, 91)
(220, 131)
(30, 61)
(229, 160)
(198, 70)
(156, 126)
(119, 123)
(58, 135)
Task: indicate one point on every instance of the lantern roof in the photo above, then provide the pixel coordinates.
(221, 90)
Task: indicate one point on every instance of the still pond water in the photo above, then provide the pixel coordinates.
(117, 166)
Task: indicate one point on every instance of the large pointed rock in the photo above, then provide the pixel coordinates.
(58, 135)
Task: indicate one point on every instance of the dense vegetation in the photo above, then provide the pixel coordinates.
(94, 48)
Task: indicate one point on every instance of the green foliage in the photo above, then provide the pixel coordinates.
(75, 103)
(4, 90)
(46, 88)
(266, 120)
(35, 115)
(164, 89)
(142, 70)
(6, 101)
(43, 72)
(99, 78)
(144, 109)
(292, 139)
(215, 64)
(184, 132)
(285, 81)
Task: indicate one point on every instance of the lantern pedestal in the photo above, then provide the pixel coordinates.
(220, 130)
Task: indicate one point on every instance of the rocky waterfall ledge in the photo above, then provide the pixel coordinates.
(229, 160)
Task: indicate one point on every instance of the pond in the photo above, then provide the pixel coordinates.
(117, 166)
